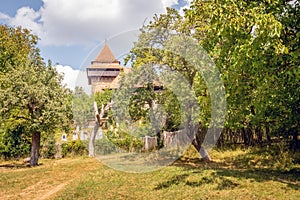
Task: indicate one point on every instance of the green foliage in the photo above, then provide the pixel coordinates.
(255, 46)
(285, 158)
(163, 109)
(82, 106)
(74, 148)
(18, 46)
(14, 143)
(103, 98)
(124, 141)
(31, 93)
(104, 146)
(174, 58)
(133, 103)
(48, 149)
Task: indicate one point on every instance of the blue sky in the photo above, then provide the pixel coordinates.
(10, 7)
(69, 30)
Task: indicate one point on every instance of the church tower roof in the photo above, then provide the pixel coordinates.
(104, 71)
(106, 55)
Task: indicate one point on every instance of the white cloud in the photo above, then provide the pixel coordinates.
(70, 75)
(27, 17)
(169, 3)
(65, 22)
(74, 78)
(4, 16)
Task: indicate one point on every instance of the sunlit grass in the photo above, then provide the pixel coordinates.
(234, 174)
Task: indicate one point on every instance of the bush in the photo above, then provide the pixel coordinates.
(284, 159)
(74, 148)
(125, 141)
(48, 147)
(104, 146)
(14, 143)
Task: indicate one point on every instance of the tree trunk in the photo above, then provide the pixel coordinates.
(268, 133)
(95, 130)
(98, 123)
(198, 139)
(296, 141)
(259, 133)
(92, 140)
(35, 147)
(246, 136)
(202, 151)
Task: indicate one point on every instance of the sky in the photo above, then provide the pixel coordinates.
(72, 32)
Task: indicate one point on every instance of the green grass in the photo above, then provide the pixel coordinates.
(238, 174)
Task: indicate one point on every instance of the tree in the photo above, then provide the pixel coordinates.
(85, 108)
(82, 107)
(255, 46)
(102, 98)
(168, 44)
(31, 93)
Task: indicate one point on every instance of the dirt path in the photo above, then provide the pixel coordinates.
(54, 191)
(45, 181)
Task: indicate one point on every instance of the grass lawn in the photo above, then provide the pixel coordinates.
(235, 174)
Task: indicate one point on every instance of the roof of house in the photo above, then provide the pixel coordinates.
(106, 55)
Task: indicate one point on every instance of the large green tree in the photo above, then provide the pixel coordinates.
(31, 93)
(169, 47)
(255, 45)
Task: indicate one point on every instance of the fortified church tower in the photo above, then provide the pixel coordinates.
(103, 73)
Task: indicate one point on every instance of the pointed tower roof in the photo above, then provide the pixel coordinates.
(106, 55)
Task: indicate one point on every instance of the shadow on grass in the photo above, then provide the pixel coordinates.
(17, 165)
(219, 182)
(175, 180)
(291, 179)
(14, 166)
(239, 167)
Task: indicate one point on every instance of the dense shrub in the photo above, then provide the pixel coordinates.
(48, 147)
(125, 141)
(104, 146)
(14, 143)
(74, 148)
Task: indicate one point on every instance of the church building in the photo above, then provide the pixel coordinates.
(103, 73)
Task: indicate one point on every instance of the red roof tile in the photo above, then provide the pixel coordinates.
(106, 55)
